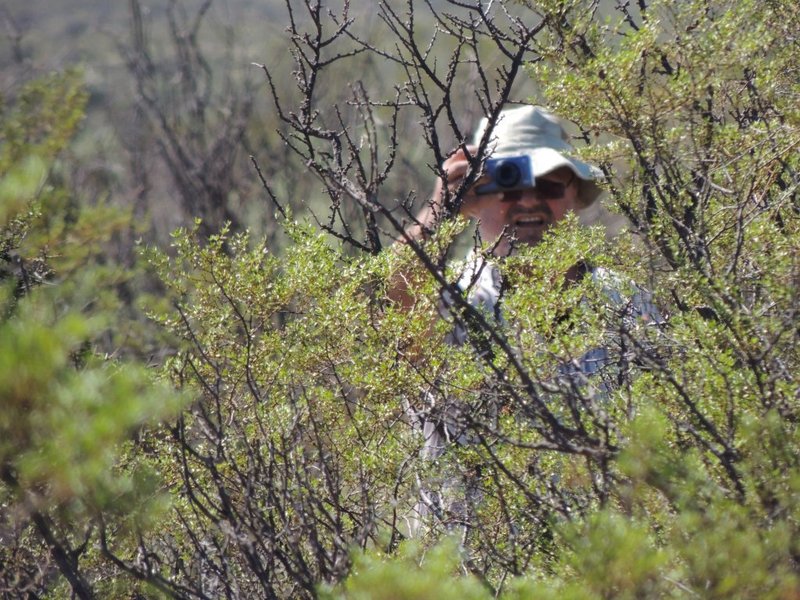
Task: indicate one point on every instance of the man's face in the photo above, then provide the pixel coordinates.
(525, 215)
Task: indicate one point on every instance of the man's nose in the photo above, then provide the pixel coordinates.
(529, 198)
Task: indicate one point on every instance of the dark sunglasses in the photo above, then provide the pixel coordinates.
(544, 190)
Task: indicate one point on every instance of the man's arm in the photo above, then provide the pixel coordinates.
(456, 168)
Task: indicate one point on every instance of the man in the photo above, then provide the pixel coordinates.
(510, 213)
(513, 216)
(562, 184)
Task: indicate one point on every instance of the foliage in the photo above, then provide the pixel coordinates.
(703, 111)
(65, 411)
(434, 575)
(291, 362)
(298, 470)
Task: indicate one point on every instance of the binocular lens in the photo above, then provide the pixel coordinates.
(507, 174)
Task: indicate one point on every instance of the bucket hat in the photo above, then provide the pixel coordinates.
(537, 132)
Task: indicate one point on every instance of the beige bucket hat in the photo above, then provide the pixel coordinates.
(535, 131)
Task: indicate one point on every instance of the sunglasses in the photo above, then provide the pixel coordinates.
(545, 190)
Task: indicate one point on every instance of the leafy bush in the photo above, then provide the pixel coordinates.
(297, 469)
(66, 412)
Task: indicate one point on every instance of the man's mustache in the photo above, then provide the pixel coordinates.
(539, 209)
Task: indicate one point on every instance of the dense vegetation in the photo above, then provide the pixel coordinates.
(224, 413)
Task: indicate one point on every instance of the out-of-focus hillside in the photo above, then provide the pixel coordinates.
(40, 36)
(54, 34)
